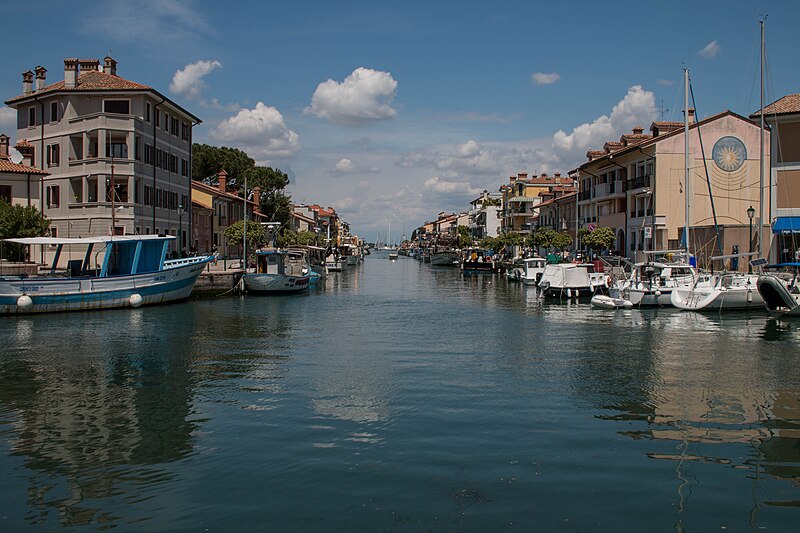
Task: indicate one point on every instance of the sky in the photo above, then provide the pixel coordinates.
(392, 112)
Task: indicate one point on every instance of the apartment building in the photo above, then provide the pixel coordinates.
(19, 184)
(520, 196)
(636, 186)
(485, 215)
(118, 153)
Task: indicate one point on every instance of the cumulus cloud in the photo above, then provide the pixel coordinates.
(442, 185)
(664, 82)
(346, 166)
(189, 82)
(710, 50)
(638, 107)
(8, 121)
(261, 132)
(477, 159)
(364, 97)
(542, 78)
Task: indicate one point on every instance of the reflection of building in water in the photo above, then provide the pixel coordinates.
(79, 425)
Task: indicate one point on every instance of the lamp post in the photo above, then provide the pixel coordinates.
(180, 227)
(750, 214)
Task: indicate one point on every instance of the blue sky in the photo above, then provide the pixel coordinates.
(394, 111)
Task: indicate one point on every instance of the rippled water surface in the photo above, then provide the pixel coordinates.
(399, 397)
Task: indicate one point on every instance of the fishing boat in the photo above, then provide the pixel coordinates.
(277, 271)
(571, 280)
(719, 292)
(477, 260)
(444, 258)
(129, 271)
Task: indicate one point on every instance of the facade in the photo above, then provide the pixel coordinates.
(303, 218)
(636, 186)
(19, 184)
(520, 198)
(484, 215)
(783, 119)
(118, 152)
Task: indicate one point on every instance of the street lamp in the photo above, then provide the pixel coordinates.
(180, 225)
(750, 214)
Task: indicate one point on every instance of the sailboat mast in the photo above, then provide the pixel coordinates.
(686, 155)
(760, 224)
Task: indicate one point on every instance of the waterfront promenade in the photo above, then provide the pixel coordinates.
(398, 397)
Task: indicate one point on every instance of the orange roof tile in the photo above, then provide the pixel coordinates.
(93, 80)
(784, 106)
(8, 166)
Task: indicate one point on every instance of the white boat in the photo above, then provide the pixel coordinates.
(277, 271)
(613, 300)
(335, 263)
(444, 258)
(133, 271)
(477, 260)
(719, 292)
(781, 294)
(533, 270)
(571, 280)
(393, 255)
(651, 283)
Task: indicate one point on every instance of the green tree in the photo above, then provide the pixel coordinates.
(491, 243)
(208, 160)
(464, 237)
(255, 233)
(16, 222)
(598, 239)
(562, 241)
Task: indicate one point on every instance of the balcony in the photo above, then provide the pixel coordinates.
(638, 182)
(584, 195)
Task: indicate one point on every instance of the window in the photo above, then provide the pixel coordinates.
(147, 231)
(5, 193)
(91, 190)
(120, 192)
(166, 121)
(117, 149)
(53, 195)
(122, 107)
(147, 112)
(184, 131)
(54, 235)
(148, 196)
(148, 154)
(136, 195)
(76, 189)
(52, 155)
(174, 125)
(184, 167)
(158, 118)
(53, 111)
(137, 148)
(31, 116)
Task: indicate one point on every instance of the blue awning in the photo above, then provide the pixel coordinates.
(786, 225)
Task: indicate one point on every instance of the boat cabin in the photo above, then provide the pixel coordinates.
(291, 263)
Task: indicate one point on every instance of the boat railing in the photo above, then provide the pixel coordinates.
(173, 263)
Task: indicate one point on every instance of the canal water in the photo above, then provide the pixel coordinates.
(399, 397)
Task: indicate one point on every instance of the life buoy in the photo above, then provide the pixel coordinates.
(608, 282)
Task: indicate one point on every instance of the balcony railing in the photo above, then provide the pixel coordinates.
(584, 195)
(639, 182)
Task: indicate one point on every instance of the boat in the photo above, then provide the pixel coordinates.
(133, 271)
(719, 292)
(572, 280)
(393, 254)
(533, 269)
(477, 260)
(444, 258)
(613, 300)
(651, 283)
(781, 291)
(277, 271)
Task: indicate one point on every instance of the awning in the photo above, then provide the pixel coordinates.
(786, 225)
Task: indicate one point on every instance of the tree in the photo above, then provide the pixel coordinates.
(208, 160)
(491, 243)
(18, 221)
(561, 241)
(464, 237)
(294, 238)
(256, 234)
(598, 239)
(549, 238)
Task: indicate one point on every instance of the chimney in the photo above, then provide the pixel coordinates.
(85, 65)
(27, 82)
(691, 115)
(109, 66)
(558, 177)
(638, 130)
(522, 176)
(223, 180)
(257, 194)
(70, 73)
(3, 145)
(41, 75)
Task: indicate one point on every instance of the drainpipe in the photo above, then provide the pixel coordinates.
(41, 161)
(153, 159)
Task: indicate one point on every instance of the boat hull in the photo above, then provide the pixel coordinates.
(275, 283)
(716, 299)
(50, 295)
(778, 300)
(444, 259)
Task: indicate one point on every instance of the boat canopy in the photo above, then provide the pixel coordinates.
(88, 240)
(786, 225)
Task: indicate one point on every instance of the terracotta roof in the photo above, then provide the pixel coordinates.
(93, 80)
(784, 106)
(7, 166)
(210, 189)
(23, 144)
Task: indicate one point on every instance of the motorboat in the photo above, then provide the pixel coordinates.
(781, 291)
(612, 300)
(533, 269)
(444, 258)
(129, 271)
(477, 260)
(651, 283)
(719, 292)
(572, 280)
(393, 255)
(277, 271)
(335, 263)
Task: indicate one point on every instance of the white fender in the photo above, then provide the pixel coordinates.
(24, 301)
(135, 300)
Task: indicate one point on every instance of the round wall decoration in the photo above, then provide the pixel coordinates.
(729, 153)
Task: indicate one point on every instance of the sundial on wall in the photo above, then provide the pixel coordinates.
(729, 154)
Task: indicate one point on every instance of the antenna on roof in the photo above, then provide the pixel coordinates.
(662, 110)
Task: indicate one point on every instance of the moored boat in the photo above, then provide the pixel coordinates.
(718, 292)
(444, 258)
(133, 271)
(477, 260)
(570, 280)
(533, 269)
(277, 271)
(781, 294)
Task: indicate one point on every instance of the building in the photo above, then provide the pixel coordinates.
(19, 184)
(118, 153)
(520, 197)
(485, 215)
(783, 119)
(636, 186)
(303, 218)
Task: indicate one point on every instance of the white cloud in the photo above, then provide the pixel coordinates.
(638, 107)
(365, 96)
(260, 131)
(542, 78)
(442, 185)
(189, 82)
(346, 166)
(664, 82)
(8, 121)
(710, 51)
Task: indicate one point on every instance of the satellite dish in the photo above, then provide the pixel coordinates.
(15, 156)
